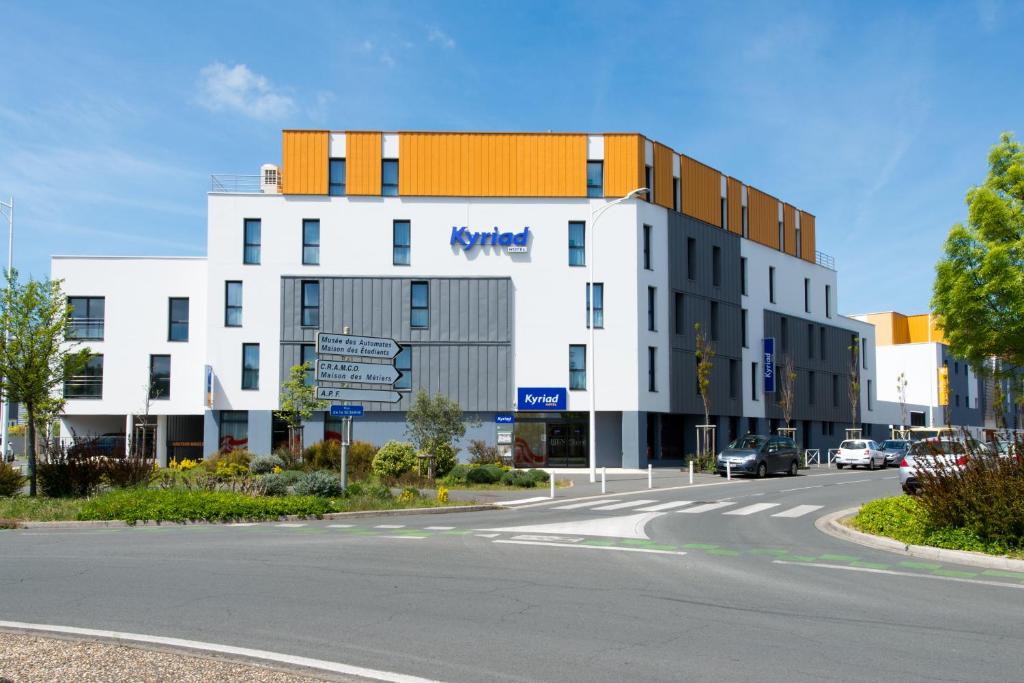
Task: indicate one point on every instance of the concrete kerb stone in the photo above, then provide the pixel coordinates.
(832, 524)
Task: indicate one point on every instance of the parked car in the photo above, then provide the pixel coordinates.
(894, 450)
(926, 455)
(760, 456)
(859, 453)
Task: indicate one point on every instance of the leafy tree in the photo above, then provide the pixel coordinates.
(704, 355)
(978, 295)
(35, 353)
(787, 389)
(298, 403)
(433, 422)
(853, 373)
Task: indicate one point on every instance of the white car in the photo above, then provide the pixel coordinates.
(860, 453)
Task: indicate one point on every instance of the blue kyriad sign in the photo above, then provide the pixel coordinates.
(541, 398)
(346, 411)
(513, 242)
(504, 418)
(768, 361)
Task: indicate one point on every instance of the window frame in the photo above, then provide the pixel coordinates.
(171, 322)
(598, 305)
(647, 246)
(691, 259)
(404, 381)
(679, 311)
(89, 302)
(228, 306)
(743, 328)
(153, 357)
(580, 248)
(388, 189)
(255, 386)
(771, 284)
(578, 375)
(311, 373)
(415, 286)
(332, 184)
(83, 380)
(713, 320)
(595, 191)
(652, 301)
(305, 307)
(247, 245)
(396, 246)
(307, 244)
(716, 266)
(652, 369)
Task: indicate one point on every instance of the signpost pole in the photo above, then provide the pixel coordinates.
(346, 437)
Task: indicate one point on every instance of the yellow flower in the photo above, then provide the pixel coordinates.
(277, 469)
(442, 494)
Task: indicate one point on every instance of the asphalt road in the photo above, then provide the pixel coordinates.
(540, 593)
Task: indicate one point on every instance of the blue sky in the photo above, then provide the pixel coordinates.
(876, 117)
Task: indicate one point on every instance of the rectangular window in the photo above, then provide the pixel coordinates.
(577, 367)
(864, 352)
(782, 237)
(733, 379)
(598, 305)
(310, 303)
(159, 377)
(250, 366)
(234, 429)
(251, 249)
(716, 266)
(88, 383)
(649, 183)
(771, 284)
(743, 217)
(87, 317)
(811, 381)
(651, 295)
(310, 242)
(799, 242)
(835, 391)
(807, 295)
(691, 258)
(714, 321)
(307, 354)
(680, 313)
(743, 327)
(577, 243)
(784, 333)
(652, 368)
(232, 304)
(743, 275)
(871, 403)
(724, 204)
(337, 177)
(177, 319)
(403, 363)
(595, 179)
(401, 239)
(389, 178)
(821, 343)
(675, 194)
(419, 305)
(828, 301)
(647, 247)
(810, 340)
(753, 381)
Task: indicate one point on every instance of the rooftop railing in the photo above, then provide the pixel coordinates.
(231, 182)
(824, 260)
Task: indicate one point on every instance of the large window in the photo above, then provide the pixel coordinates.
(598, 305)
(577, 366)
(310, 242)
(88, 383)
(647, 247)
(234, 429)
(389, 177)
(595, 178)
(86, 317)
(308, 355)
(232, 304)
(577, 243)
(251, 250)
(310, 303)
(652, 295)
(403, 363)
(177, 319)
(159, 377)
(419, 305)
(250, 366)
(401, 239)
(337, 178)
(652, 368)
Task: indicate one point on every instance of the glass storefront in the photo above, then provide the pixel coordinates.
(551, 439)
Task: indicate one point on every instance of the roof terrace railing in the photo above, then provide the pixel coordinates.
(824, 260)
(231, 182)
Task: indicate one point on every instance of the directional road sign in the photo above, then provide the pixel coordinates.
(346, 371)
(331, 344)
(332, 394)
(346, 411)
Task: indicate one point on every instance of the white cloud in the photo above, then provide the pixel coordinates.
(436, 35)
(243, 91)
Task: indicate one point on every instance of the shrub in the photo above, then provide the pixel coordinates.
(408, 495)
(442, 494)
(360, 459)
(323, 455)
(484, 474)
(291, 476)
(274, 485)
(482, 454)
(518, 478)
(228, 470)
(265, 464)
(394, 459)
(457, 476)
(179, 505)
(239, 456)
(130, 470)
(377, 491)
(184, 465)
(11, 480)
(539, 476)
(354, 490)
(444, 458)
(321, 483)
(70, 470)
(289, 460)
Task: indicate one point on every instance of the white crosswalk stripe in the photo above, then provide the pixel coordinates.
(798, 511)
(389, 526)
(627, 504)
(665, 506)
(706, 507)
(584, 504)
(340, 526)
(439, 528)
(751, 509)
(289, 526)
(523, 501)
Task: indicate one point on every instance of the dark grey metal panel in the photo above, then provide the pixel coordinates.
(705, 237)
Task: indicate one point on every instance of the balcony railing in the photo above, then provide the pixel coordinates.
(86, 329)
(825, 260)
(230, 182)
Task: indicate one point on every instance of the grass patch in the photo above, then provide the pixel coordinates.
(40, 508)
(904, 519)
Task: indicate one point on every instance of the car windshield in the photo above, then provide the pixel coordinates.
(893, 445)
(748, 441)
(853, 445)
(937, 448)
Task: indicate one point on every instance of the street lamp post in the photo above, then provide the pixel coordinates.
(596, 214)
(8, 208)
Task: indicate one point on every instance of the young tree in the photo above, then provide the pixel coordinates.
(978, 294)
(853, 373)
(704, 355)
(787, 389)
(432, 421)
(298, 403)
(35, 354)
(901, 396)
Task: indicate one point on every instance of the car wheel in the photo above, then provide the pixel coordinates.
(793, 468)
(762, 471)
(839, 467)
(871, 463)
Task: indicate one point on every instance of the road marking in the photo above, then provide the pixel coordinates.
(912, 575)
(487, 535)
(238, 524)
(706, 507)
(665, 506)
(751, 509)
(627, 504)
(414, 538)
(439, 528)
(197, 645)
(628, 526)
(340, 526)
(585, 504)
(523, 501)
(596, 547)
(551, 539)
(389, 526)
(289, 525)
(798, 511)
(803, 488)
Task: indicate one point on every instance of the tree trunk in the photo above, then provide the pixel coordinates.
(31, 448)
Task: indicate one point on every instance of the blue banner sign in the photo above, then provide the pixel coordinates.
(346, 411)
(768, 361)
(513, 242)
(541, 398)
(504, 418)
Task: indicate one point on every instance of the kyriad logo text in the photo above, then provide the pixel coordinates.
(541, 398)
(513, 242)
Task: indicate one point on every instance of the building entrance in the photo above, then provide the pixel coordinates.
(556, 439)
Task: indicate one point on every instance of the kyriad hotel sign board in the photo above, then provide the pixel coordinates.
(541, 398)
(465, 240)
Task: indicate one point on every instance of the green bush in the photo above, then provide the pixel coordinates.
(265, 464)
(178, 505)
(539, 476)
(11, 480)
(444, 458)
(239, 456)
(71, 478)
(394, 459)
(519, 478)
(457, 477)
(409, 494)
(360, 459)
(291, 476)
(484, 474)
(274, 485)
(319, 483)
(354, 490)
(906, 520)
(323, 455)
(482, 454)
(377, 491)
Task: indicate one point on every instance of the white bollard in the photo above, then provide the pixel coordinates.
(604, 472)
(552, 485)
(728, 471)
(650, 476)
(691, 471)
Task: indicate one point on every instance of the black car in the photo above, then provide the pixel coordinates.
(760, 456)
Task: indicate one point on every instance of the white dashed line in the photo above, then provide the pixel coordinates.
(523, 501)
(389, 526)
(706, 507)
(798, 511)
(487, 535)
(596, 547)
(665, 506)
(751, 509)
(414, 538)
(289, 526)
(585, 504)
(340, 526)
(439, 528)
(627, 504)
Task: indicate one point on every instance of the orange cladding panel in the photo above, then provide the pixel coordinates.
(789, 221)
(702, 191)
(304, 161)
(734, 192)
(663, 175)
(433, 164)
(763, 217)
(808, 244)
(623, 164)
(362, 163)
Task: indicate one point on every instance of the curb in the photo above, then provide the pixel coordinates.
(116, 523)
(832, 525)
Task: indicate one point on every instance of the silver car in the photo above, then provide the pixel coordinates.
(859, 453)
(931, 455)
(894, 450)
